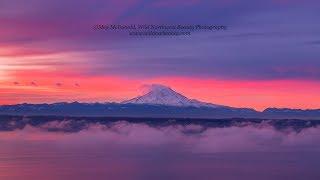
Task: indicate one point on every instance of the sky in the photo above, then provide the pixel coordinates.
(268, 56)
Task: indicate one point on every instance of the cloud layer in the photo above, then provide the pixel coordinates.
(137, 151)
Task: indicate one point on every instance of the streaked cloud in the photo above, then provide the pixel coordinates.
(52, 41)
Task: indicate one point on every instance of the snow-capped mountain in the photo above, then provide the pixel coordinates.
(163, 95)
(159, 102)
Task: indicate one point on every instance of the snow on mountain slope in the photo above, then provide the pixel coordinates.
(163, 95)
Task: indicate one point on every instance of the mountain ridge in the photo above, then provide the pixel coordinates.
(149, 110)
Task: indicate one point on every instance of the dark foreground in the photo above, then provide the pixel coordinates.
(63, 148)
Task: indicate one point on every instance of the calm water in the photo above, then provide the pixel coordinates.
(123, 150)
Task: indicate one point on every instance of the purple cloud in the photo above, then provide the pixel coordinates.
(264, 40)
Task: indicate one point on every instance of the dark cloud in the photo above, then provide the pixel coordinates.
(33, 84)
(316, 42)
(59, 84)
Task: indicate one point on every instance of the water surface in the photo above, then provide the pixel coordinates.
(61, 150)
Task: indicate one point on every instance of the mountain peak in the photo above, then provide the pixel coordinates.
(159, 89)
(158, 94)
